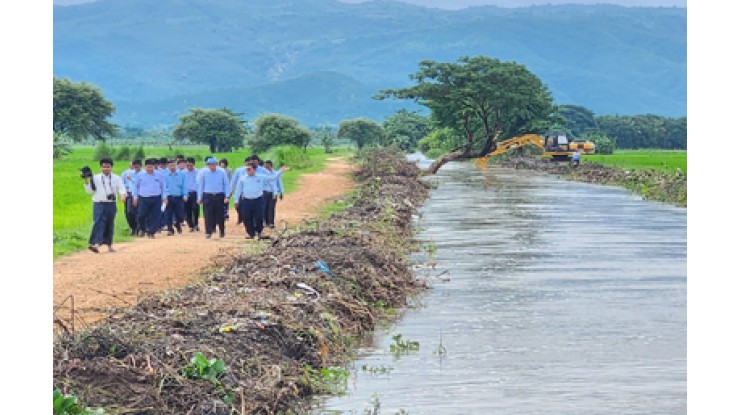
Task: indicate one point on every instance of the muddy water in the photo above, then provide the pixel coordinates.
(557, 298)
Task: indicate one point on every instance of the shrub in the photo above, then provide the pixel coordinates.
(102, 151)
(292, 156)
(124, 153)
(139, 154)
(604, 145)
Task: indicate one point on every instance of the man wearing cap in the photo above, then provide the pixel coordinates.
(150, 192)
(213, 193)
(176, 196)
(192, 208)
(103, 188)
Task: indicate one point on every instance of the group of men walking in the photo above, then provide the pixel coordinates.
(165, 194)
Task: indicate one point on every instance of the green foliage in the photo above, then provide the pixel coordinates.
(202, 368)
(478, 96)
(376, 370)
(61, 147)
(221, 129)
(288, 155)
(276, 130)
(81, 111)
(321, 381)
(103, 150)
(326, 136)
(604, 145)
(67, 405)
(577, 119)
(404, 129)
(362, 131)
(645, 131)
(438, 142)
(400, 346)
(124, 153)
(139, 154)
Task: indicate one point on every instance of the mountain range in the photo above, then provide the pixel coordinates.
(321, 61)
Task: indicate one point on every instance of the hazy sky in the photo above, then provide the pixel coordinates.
(460, 4)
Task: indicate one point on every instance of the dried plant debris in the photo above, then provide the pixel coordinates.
(247, 338)
(662, 186)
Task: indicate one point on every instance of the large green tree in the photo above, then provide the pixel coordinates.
(81, 111)
(404, 129)
(363, 131)
(579, 120)
(480, 98)
(276, 130)
(222, 129)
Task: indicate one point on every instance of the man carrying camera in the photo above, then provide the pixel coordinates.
(103, 188)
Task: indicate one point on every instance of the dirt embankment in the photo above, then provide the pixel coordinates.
(280, 318)
(669, 187)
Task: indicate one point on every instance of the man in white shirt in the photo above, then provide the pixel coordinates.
(103, 188)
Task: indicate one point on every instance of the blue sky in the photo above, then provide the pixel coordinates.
(460, 4)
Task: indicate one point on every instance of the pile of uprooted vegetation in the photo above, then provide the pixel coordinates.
(269, 330)
(662, 186)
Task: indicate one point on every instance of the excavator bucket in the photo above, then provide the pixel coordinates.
(482, 162)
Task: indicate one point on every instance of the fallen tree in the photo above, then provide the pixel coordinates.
(481, 99)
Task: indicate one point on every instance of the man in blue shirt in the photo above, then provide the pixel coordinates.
(149, 192)
(213, 193)
(273, 190)
(176, 196)
(235, 177)
(130, 210)
(249, 199)
(192, 208)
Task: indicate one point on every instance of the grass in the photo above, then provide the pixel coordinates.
(668, 160)
(72, 218)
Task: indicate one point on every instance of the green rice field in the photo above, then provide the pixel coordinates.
(669, 160)
(72, 217)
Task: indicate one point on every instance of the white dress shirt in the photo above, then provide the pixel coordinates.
(105, 185)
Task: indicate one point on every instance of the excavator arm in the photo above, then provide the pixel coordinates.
(510, 145)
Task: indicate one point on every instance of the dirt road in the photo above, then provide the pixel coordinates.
(87, 284)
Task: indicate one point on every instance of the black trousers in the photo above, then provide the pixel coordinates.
(104, 219)
(213, 210)
(175, 212)
(149, 210)
(270, 203)
(192, 210)
(132, 217)
(252, 211)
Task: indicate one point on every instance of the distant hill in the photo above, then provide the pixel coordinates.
(321, 60)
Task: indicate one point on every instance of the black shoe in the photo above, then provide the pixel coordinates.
(208, 236)
(221, 235)
(170, 233)
(197, 228)
(93, 248)
(179, 229)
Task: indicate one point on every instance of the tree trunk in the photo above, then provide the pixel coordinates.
(442, 160)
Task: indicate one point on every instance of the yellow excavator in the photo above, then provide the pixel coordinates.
(555, 146)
